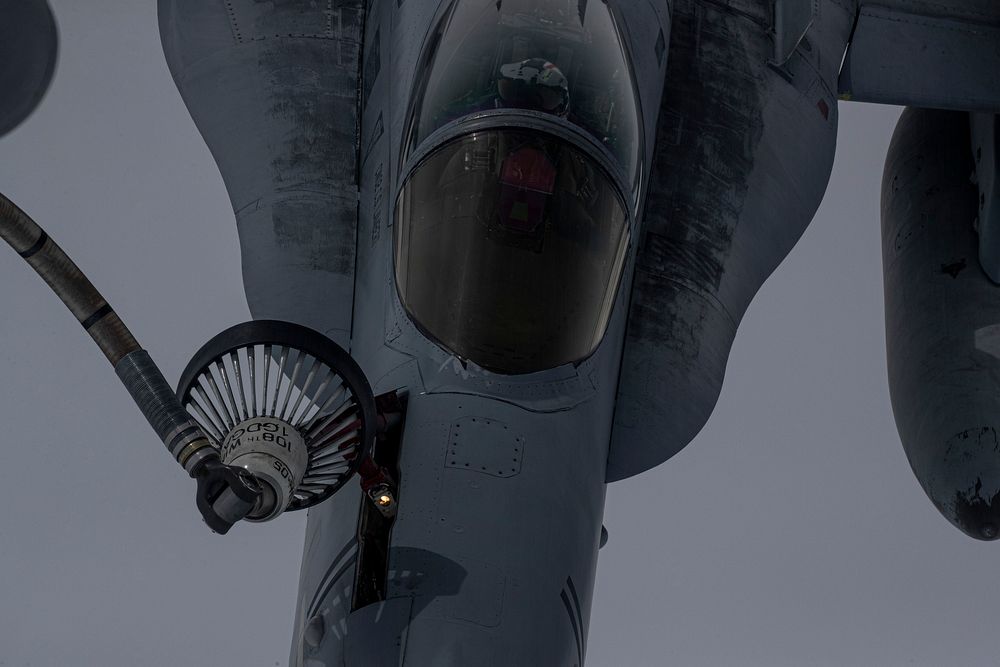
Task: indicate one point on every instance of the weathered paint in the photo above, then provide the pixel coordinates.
(941, 316)
(925, 53)
(304, 106)
(273, 88)
(743, 155)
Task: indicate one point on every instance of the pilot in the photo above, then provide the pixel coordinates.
(534, 84)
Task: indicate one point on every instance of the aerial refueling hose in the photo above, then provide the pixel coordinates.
(157, 401)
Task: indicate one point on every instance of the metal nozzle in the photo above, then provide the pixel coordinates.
(224, 496)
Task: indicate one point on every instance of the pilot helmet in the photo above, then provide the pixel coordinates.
(534, 84)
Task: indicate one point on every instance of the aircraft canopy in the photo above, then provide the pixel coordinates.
(562, 57)
(509, 249)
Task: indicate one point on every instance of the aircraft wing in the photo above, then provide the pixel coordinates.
(941, 54)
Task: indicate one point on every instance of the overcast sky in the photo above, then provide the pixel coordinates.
(791, 532)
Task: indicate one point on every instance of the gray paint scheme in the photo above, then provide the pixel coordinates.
(985, 145)
(507, 608)
(496, 567)
(483, 562)
(792, 19)
(273, 89)
(763, 139)
(941, 313)
(926, 54)
(29, 45)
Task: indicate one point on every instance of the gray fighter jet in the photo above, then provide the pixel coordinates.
(536, 225)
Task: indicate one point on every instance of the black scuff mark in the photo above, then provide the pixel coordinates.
(978, 516)
(954, 268)
(711, 116)
(314, 113)
(959, 447)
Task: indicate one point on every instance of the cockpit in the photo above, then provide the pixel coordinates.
(561, 57)
(510, 239)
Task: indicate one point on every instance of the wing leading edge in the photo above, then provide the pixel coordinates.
(923, 54)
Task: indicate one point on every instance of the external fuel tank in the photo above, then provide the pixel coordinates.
(942, 317)
(29, 44)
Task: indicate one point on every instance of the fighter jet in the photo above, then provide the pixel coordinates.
(536, 226)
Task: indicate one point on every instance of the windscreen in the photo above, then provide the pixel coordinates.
(561, 57)
(509, 249)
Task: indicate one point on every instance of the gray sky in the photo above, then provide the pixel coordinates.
(791, 532)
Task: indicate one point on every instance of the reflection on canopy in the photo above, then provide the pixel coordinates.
(509, 250)
(562, 57)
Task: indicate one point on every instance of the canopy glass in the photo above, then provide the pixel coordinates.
(559, 57)
(509, 249)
